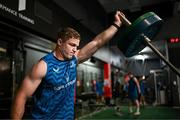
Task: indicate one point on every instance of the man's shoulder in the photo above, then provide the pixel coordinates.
(47, 57)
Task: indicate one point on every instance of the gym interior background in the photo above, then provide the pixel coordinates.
(28, 31)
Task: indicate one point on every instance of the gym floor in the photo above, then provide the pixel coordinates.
(147, 112)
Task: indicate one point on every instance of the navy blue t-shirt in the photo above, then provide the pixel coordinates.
(54, 98)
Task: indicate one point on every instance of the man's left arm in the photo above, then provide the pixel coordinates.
(88, 50)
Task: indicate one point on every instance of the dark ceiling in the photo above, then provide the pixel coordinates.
(94, 14)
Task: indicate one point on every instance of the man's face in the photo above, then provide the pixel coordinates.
(69, 48)
(127, 78)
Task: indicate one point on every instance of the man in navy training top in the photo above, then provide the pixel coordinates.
(52, 80)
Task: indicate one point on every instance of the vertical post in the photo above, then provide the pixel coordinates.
(155, 87)
(107, 83)
(22, 5)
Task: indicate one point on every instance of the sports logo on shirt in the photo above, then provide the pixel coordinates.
(72, 64)
(56, 70)
(65, 86)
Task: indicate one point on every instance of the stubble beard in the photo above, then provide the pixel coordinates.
(65, 54)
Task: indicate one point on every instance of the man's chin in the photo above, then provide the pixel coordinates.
(69, 57)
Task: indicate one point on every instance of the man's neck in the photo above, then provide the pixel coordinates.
(58, 55)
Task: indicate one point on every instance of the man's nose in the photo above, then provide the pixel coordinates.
(75, 49)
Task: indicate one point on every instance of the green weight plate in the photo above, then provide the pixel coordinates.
(132, 41)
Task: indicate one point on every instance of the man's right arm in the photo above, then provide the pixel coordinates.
(102, 38)
(27, 88)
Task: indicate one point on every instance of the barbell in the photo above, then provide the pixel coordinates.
(139, 34)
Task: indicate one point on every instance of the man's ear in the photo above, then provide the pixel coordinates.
(59, 41)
